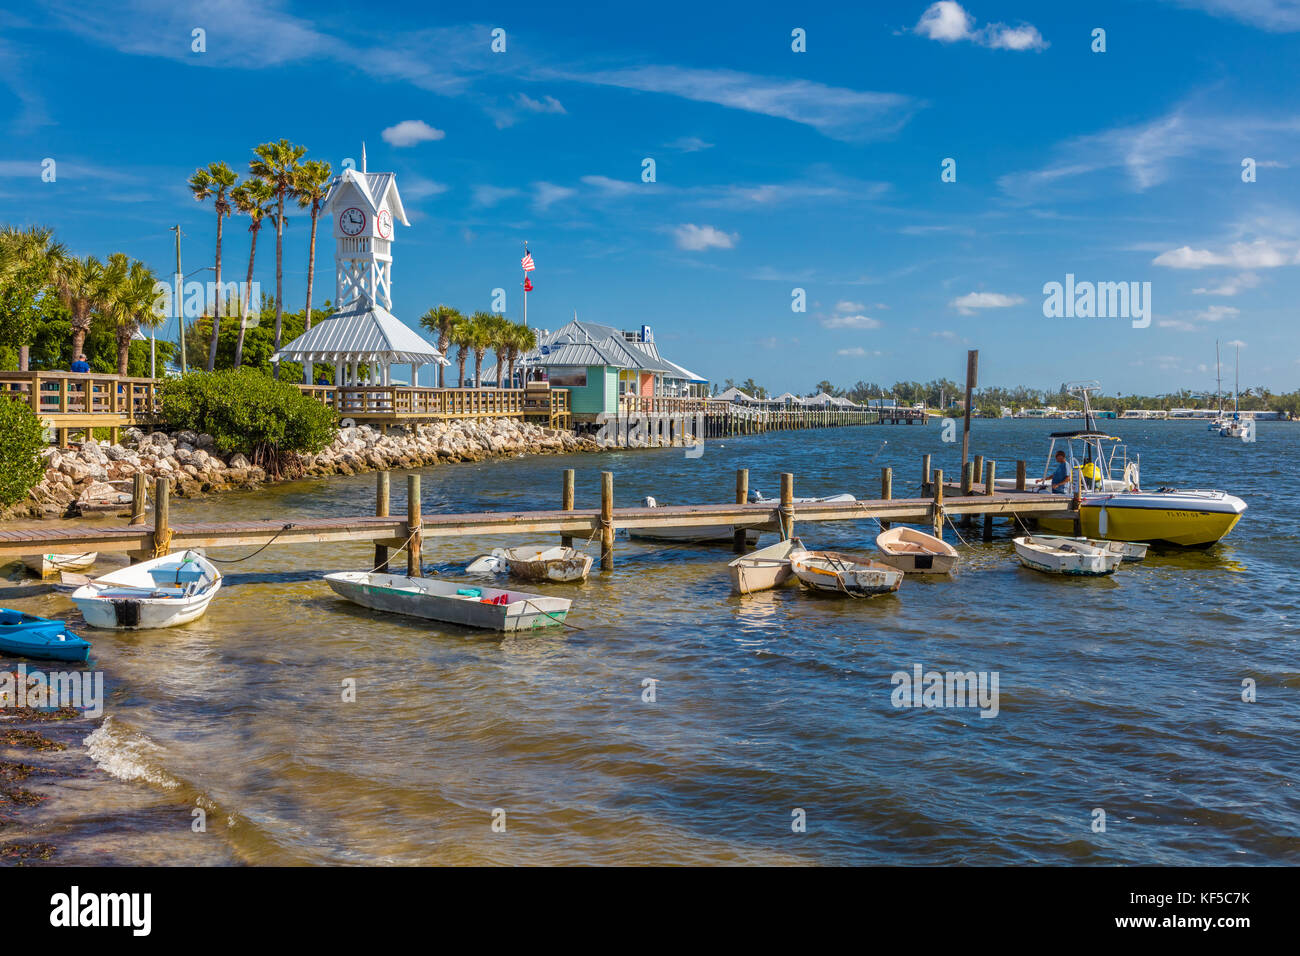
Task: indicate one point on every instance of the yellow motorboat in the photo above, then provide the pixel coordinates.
(1114, 507)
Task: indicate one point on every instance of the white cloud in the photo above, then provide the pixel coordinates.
(417, 187)
(697, 238)
(1236, 342)
(545, 194)
(850, 322)
(688, 144)
(615, 187)
(1260, 254)
(491, 195)
(948, 22)
(1217, 312)
(844, 305)
(547, 104)
(1247, 280)
(967, 304)
(411, 132)
(858, 352)
(1277, 16)
(831, 110)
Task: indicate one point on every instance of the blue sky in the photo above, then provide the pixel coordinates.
(775, 169)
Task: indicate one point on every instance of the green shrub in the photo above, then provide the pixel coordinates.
(21, 442)
(247, 411)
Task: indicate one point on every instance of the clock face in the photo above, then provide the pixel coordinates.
(351, 221)
(384, 224)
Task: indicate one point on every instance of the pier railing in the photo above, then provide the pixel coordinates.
(82, 400)
(390, 404)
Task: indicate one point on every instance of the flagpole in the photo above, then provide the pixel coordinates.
(525, 287)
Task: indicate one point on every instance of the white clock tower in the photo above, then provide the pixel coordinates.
(363, 207)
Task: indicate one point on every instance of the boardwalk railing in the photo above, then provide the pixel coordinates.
(83, 400)
(390, 404)
(720, 418)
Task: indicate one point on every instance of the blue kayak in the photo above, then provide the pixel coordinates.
(30, 636)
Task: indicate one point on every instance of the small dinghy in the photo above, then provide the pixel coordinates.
(758, 498)
(488, 564)
(450, 602)
(49, 564)
(551, 564)
(705, 534)
(165, 592)
(765, 568)
(1065, 556)
(916, 552)
(1129, 551)
(844, 573)
(27, 635)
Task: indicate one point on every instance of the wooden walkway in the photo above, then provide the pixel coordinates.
(573, 524)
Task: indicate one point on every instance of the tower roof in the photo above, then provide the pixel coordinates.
(374, 187)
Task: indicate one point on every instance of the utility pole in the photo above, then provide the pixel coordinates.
(180, 295)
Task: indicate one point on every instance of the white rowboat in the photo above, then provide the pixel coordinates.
(165, 592)
(705, 534)
(551, 564)
(48, 564)
(844, 573)
(1053, 555)
(765, 568)
(1127, 550)
(437, 600)
(916, 552)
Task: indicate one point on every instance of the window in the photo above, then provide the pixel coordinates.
(568, 377)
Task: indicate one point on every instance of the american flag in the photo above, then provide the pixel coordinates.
(527, 261)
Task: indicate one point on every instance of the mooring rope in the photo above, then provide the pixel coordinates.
(247, 556)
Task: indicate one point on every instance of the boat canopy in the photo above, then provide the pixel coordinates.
(1084, 434)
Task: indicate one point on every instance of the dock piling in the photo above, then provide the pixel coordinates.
(990, 476)
(742, 495)
(161, 510)
(1020, 475)
(925, 476)
(566, 503)
(936, 509)
(414, 525)
(607, 521)
(381, 511)
(886, 490)
(139, 498)
(787, 505)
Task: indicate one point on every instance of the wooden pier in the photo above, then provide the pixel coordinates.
(583, 525)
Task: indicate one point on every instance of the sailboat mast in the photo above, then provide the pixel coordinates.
(1218, 378)
(1236, 381)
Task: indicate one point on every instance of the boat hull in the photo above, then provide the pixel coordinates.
(1184, 523)
(842, 574)
(48, 564)
(25, 635)
(436, 601)
(762, 570)
(1066, 557)
(165, 592)
(128, 613)
(914, 552)
(561, 565)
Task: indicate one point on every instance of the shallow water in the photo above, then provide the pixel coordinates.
(1120, 694)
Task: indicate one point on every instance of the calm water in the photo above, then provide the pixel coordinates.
(1122, 694)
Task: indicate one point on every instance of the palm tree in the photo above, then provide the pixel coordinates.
(277, 166)
(440, 321)
(128, 303)
(479, 339)
(498, 327)
(80, 284)
(253, 198)
(214, 183)
(310, 190)
(461, 335)
(520, 341)
(30, 261)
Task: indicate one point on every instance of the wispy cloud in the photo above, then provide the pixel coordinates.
(1278, 16)
(858, 352)
(547, 104)
(948, 22)
(688, 144)
(1232, 286)
(1260, 254)
(968, 304)
(698, 238)
(547, 194)
(491, 195)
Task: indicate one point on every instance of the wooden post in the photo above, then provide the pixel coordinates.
(966, 478)
(161, 512)
(936, 509)
(925, 475)
(381, 511)
(972, 373)
(977, 473)
(990, 473)
(742, 495)
(787, 505)
(139, 498)
(1076, 502)
(607, 521)
(1020, 476)
(886, 490)
(414, 566)
(566, 503)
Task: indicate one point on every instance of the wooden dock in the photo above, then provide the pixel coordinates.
(580, 524)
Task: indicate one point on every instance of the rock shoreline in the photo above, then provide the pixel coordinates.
(97, 476)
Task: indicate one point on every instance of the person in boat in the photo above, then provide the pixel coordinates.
(1061, 475)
